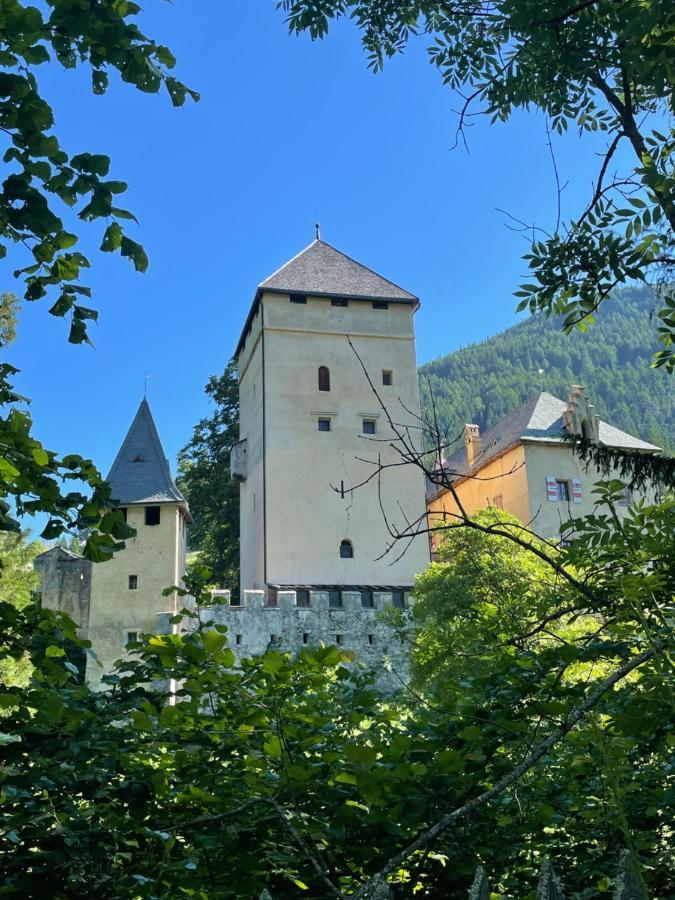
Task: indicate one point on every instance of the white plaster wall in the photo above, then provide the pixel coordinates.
(251, 494)
(306, 520)
(157, 556)
(560, 462)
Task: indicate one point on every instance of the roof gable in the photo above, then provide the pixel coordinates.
(140, 473)
(322, 270)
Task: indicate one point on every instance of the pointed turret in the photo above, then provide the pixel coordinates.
(140, 473)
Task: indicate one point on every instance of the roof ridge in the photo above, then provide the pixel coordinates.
(364, 266)
(293, 258)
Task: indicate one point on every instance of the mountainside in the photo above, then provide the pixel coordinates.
(483, 382)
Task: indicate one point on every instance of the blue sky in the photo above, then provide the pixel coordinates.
(226, 190)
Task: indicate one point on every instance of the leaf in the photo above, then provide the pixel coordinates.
(135, 253)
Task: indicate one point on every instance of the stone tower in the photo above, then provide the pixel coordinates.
(310, 423)
(126, 592)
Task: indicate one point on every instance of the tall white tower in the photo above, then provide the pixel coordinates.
(126, 592)
(310, 422)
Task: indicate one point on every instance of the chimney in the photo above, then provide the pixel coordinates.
(474, 444)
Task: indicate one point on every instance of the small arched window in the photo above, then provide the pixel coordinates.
(346, 550)
(324, 378)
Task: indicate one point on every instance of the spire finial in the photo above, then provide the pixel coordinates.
(541, 380)
(145, 384)
(317, 226)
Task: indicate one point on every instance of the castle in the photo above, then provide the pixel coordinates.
(324, 337)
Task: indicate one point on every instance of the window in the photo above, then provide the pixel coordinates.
(562, 491)
(380, 304)
(131, 638)
(371, 638)
(123, 510)
(398, 599)
(346, 550)
(335, 599)
(324, 378)
(152, 515)
(339, 301)
(626, 496)
(368, 426)
(235, 601)
(339, 638)
(586, 430)
(298, 298)
(323, 424)
(305, 638)
(387, 377)
(275, 639)
(237, 639)
(302, 599)
(272, 598)
(133, 582)
(367, 601)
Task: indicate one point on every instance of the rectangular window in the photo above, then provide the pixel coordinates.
(371, 638)
(131, 638)
(298, 298)
(133, 582)
(272, 599)
(367, 601)
(235, 600)
(339, 638)
(398, 599)
(302, 599)
(339, 301)
(387, 377)
(562, 489)
(152, 515)
(380, 304)
(237, 639)
(335, 599)
(368, 426)
(305, 638)
(323, 424)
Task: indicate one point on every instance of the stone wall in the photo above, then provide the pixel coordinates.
(254, 626)
(65, 584)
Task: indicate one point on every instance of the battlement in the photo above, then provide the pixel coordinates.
(291, 620)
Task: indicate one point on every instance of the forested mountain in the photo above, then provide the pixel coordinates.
(483, 382)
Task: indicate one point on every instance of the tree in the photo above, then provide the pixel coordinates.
(597, 65)
(40, 176)
(204, 477)
(18, 584)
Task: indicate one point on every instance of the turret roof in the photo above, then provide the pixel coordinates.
(140, 473)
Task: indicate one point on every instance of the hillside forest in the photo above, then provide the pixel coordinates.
(483, 382)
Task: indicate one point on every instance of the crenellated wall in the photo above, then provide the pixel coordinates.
(254, 626)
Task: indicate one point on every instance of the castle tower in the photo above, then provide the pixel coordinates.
(126, 592)
(310, 423)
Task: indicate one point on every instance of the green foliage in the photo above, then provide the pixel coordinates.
(484, 382)
(596, 66)
(205, 480)
(40, 174)
(9, 308)
(297, 775)
(18, 584)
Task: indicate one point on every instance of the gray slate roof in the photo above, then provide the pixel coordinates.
(322, 270)
(540, 419)
(140, 473)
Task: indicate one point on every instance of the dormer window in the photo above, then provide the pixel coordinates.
(137, 459)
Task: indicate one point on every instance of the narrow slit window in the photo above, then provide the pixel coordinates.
(305, 638)
(237, 639)
(324, 378)
(387, 377)
(371, 638)
(133, 582)
(339, 638)
(346, 550)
